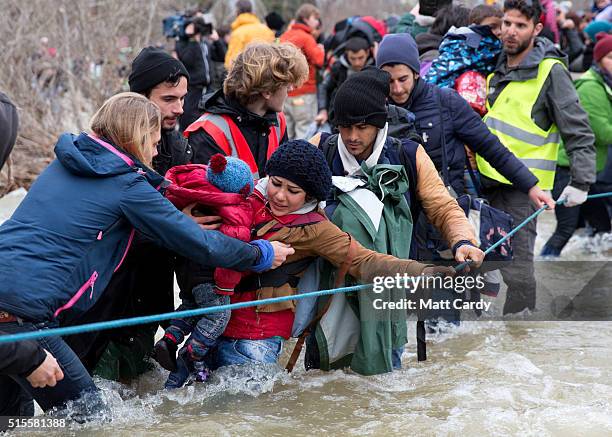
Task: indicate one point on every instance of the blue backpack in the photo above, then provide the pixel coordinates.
(472, 48)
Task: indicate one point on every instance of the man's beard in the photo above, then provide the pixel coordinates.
(519, 48)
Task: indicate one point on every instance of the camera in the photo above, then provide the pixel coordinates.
(175, 26)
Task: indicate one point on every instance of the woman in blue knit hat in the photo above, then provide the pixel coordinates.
(286, 207)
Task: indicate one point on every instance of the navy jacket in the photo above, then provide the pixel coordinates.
(440, 110)
(72, 230)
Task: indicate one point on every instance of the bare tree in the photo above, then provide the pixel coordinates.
(62, 58)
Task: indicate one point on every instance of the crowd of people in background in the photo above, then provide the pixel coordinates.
(410, 115)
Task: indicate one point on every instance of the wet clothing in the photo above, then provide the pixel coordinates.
(246, 28)
(9, 123)
(444, 112)
(254, 128)
(594, 211)
(76, 385)
(20, 358)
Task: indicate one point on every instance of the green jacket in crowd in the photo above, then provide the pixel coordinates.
(596, 99)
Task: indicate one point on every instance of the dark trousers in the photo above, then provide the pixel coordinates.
(14, 401)
(595, 212)
(77, 385)
(518, 274)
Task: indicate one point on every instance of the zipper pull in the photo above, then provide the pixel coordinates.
(94, 277)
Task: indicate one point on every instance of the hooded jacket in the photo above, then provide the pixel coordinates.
(253, 127)
(189, 184)
(73, 229)
(557, 103)
(596, 99)
(246, 28)
(340, 70)
(300, 35)
(443, 117)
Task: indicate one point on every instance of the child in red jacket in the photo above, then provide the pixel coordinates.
(222, 189)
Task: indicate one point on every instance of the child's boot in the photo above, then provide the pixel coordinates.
(165, 352)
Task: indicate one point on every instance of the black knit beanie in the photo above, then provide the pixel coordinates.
(151, 67)
(304, 165)
(362, 98)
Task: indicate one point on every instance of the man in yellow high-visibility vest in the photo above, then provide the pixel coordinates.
(533, 108)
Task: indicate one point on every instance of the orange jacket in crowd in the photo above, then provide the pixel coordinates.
(300, 35)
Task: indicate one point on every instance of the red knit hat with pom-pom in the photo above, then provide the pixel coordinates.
(603, 46)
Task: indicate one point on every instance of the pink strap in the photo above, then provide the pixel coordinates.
(112, 149)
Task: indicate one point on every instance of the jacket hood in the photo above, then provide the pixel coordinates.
(219, 104)
(84, 156)
(242, 19)
(543, 48)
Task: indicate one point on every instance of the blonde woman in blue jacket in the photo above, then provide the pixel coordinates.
(73, 229)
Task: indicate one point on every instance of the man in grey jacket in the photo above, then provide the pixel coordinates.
(533, 108)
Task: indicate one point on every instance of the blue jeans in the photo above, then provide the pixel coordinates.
(205, 329)
(396, 357)
(76, 386)
(229, 352)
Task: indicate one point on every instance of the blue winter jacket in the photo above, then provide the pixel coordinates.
(73, 229)
(433, 107)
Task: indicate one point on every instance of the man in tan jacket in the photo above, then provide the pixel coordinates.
(360, 113)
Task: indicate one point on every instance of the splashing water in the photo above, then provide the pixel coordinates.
(482, 378)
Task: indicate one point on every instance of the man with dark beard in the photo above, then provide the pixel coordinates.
(533, 108)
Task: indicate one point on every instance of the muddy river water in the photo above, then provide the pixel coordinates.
(484, 378)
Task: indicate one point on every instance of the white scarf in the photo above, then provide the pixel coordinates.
(349, 162)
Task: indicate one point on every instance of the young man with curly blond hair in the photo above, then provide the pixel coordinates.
(245, 118)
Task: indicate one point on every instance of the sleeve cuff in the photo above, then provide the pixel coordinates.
(462, 243)
(266, 255)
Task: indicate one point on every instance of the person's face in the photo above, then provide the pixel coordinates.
(359, 139)
(606, 63)
(284, 197)
(357, 59)
(402, 82)
(495, 24)
(602, 3)
(312, 22)
(169, 99)
(518, 32)
(150, 148)
(276, 100)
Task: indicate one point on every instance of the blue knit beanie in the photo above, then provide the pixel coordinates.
(304, 165)
(595, 27)
(230, 175)
(398, 48)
